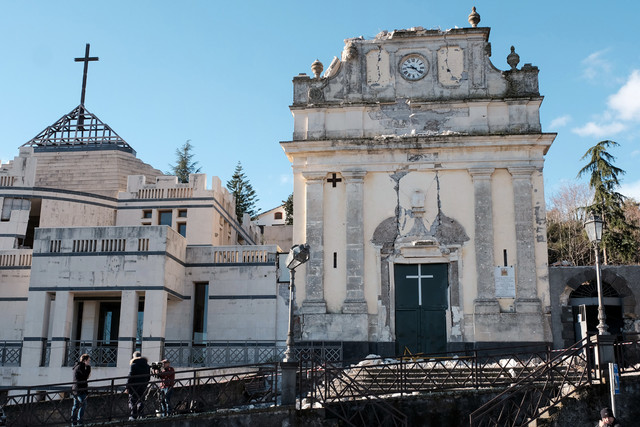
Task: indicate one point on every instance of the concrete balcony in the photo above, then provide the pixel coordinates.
(15, 258)
(108, 258)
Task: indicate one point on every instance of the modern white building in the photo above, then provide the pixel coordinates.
(102, 253)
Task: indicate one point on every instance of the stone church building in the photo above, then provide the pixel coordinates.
(418, 184)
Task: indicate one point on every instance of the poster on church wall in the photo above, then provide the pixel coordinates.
(505, 282)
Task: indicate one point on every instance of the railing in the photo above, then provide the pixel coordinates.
(546, 387)
(102, 353)
(243, 254)
(16, 258)
(194, 391)
(166, 193)
(333, 381)
(330, 385)
(230, 353)
(627, 351)
(10, 353)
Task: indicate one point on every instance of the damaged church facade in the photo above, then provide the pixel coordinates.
(418, 186)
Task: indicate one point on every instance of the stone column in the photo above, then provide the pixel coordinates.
(36, 326)
(314, 302)
(128, 327)
(483, 236)
(355, 301)
(526, 285)
(61, 328)
(154, 324)
(90, 320)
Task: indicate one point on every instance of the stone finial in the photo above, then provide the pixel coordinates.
(474, 17)
(350, 52)
(317, 68)
(513, 58)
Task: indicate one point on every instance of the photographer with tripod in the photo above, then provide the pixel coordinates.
(167, 376)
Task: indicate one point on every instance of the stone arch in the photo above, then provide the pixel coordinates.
(617, 282)
(611, 279)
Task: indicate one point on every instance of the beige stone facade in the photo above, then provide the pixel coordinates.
(415, 150)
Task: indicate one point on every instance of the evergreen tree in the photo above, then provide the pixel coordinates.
(184, 164)
(617, 244)
(288, 209)
(243, 192)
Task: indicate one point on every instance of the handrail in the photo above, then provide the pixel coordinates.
(195, 390)
(542, 389)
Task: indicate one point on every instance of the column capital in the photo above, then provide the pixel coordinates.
(481, 173)
(522, 171)
(354, 175)
(314, 176)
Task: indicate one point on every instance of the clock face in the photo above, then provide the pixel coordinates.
(413, 67)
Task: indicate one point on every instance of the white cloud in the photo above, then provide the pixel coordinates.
(561, 121)
(599, 130)
(631, 190)
(595, 65)
(626, 102)
(634, 153)
(285, 179)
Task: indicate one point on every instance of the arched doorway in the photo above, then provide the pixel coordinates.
(584, 304)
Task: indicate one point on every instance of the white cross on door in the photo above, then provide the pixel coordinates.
(420, 277)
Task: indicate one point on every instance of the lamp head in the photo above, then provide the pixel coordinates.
(298, 255)
(593, 225)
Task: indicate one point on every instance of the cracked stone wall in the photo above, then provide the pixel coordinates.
(415, 142)
(460, 78)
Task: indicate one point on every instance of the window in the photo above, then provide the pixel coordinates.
(182, 213)
(165, 218)
(146, 214)
(182, 229)
(277, 215)
(200, 305)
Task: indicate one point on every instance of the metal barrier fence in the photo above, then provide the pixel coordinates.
(102, 353)
(324, 381)
(10, 353)
(230, 353)
(194, 391)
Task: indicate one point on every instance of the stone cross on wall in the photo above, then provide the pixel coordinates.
(334, 179)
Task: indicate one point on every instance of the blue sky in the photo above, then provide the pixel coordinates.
(219, 73)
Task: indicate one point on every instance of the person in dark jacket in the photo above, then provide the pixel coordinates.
(137, 381)
(607, 419)
(80, 389)
(167, 376)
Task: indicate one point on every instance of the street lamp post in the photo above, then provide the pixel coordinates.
(593, 227)
(298, 255)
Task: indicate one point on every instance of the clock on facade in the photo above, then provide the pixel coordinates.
(413, 67)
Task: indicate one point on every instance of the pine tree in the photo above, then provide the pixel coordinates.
(609, 204)
(184, 166)
(288, 209)
(243, 192)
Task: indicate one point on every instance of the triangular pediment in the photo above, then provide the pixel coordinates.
(78, 130)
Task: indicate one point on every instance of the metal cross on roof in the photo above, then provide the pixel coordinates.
(86, 61)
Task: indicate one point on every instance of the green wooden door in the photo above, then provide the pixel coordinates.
(421, 304)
